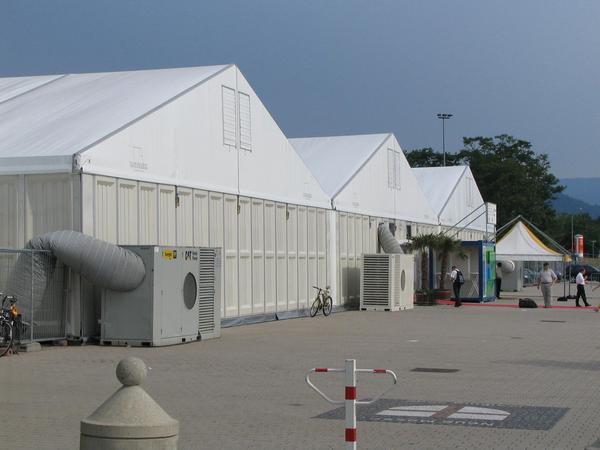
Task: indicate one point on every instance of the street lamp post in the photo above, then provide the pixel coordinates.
(593, 252)
(444, 117)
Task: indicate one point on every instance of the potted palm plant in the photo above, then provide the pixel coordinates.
(423, 243)
(444, 246)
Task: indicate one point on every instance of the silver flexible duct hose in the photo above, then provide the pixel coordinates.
(387, 240)
(103, 264)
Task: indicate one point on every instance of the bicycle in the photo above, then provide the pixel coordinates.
(9, 324)
(322, 302)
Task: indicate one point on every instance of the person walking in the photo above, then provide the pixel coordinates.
(546, 280)
(457, 281)
(498, 279)
(580, 281)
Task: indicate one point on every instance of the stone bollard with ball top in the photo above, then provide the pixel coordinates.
(130, 419)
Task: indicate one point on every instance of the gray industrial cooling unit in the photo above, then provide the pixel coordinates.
(387, 282)
(178, 301)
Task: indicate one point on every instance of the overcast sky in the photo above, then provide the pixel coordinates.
(530, 68)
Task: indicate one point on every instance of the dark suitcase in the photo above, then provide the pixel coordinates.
(527, 303)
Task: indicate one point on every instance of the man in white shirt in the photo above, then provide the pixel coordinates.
(546, 280)
(580, 280)
(456, 284)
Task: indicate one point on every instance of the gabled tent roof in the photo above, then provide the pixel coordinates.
(521, 244)
(334, 160)
(438, 183)
(61, 115)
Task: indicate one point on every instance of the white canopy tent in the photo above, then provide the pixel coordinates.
(521, 244)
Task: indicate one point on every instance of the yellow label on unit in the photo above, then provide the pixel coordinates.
(169, 254)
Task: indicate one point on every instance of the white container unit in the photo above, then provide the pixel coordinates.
(387, 282)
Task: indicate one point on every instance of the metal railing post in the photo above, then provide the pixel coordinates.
(350, 398)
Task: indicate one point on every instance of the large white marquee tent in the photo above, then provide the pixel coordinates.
(171, 157)
(369, 182)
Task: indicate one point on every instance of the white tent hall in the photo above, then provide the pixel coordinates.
(369, 182)
(455, 198)
(183, 157)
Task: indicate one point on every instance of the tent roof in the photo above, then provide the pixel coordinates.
(60, 115)
(438, 183)
(521, 244)
(334, 160)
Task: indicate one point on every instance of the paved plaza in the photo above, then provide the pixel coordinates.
(515, 379)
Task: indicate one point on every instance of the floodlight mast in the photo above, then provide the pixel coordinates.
(444, 117)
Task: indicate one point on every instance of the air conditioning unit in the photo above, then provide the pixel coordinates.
(387, 282)
(178, 300)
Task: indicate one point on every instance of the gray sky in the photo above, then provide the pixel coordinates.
(325, 67)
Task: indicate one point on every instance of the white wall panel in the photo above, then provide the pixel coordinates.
(49, 204)
(245, 255)
(215, 214)
(166, 215)
(127, 217)
(281, 252)
(322, 250)
(302, 257)
(270, 258)
(105, 209)
(10, 204)
(148, 213)
(292, 256)
(258, 257)
(230, 242)
(312, 266)
(185, 217)
(200, 218)
(343, 256)
(351, 272)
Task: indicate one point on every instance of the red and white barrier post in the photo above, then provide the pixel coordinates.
(350, 398)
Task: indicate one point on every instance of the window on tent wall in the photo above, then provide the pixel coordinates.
(394, 166)
(245, 122)
(391, 173)
(470, 200)
(229, 116)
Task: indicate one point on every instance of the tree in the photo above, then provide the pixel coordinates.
(423, 243)
(445, 245)
(428, 157)
(508, 172)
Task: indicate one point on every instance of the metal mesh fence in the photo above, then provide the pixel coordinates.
(38, 281)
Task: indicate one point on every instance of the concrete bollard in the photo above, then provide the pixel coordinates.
(130, 419)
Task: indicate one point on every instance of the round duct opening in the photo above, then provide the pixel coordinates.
(190, 289)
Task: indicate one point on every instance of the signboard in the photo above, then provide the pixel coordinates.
(490, 209)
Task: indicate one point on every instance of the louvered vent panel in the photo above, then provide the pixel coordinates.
(229, 117)
(376, 280)
(206, 290)
(396, 285)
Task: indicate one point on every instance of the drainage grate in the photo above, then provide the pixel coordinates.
(554, 321)
(433, 370)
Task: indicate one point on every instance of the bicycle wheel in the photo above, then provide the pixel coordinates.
(6, 337)
(314, 309)
(327, 306)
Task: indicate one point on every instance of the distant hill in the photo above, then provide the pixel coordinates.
(569, 205)
(584, 189)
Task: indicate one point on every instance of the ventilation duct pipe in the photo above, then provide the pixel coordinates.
(387, 240)
(103, 264)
